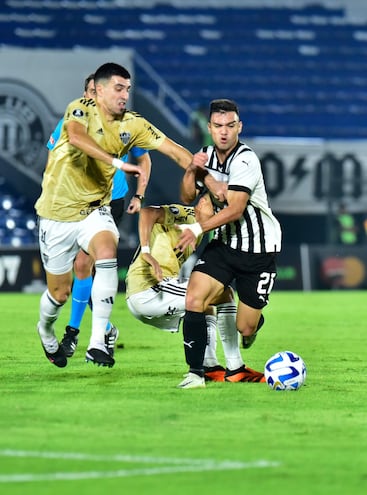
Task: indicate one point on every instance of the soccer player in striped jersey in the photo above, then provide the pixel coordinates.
(247, 237)
(155, 290)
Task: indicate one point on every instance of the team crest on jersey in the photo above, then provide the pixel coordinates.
(78, 112)
(125, 137)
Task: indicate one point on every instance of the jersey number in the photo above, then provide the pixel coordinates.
(266, 283)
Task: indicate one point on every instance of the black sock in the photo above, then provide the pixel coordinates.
(195, 339)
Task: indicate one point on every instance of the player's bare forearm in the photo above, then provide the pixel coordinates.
(195, 171)
(188, 190)
(176, 152)
(217, 188)
(147, 218)
(145, 163)
(148, 258)
(204, 209)
(136, 201)
(237, 202)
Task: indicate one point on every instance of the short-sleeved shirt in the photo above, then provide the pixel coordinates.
(257, 230)
(120, 185)
(163, 241)
(74, 183)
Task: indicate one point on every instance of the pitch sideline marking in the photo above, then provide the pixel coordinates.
(175, 465)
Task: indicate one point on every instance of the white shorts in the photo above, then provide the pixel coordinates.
(60, 241)
(161, 306)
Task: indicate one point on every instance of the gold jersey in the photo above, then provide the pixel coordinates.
(74, 184)
(163, 241)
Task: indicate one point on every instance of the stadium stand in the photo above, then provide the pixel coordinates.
(17, 221)
(296, 68)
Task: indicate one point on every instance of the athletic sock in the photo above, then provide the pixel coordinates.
(104, 291)
(49, 312)
(81, 292)
(210, 357)
(226, 321)
(89, 302)
(195, 340)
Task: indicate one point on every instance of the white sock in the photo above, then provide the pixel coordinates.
(210, 357)
(49, 312)
(226, 321)
(104, 290)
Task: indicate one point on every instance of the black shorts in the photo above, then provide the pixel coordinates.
(117, 209)
(254, 274)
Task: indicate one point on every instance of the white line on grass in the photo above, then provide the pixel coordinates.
(173, 465)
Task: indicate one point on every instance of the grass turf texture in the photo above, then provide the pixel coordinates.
(132, 424)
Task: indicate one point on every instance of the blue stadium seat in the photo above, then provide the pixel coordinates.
(307, 59)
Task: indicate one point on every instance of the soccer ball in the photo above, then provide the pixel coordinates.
(285, 371)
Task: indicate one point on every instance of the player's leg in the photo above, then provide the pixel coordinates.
(117, 211)
(58, 250)
(227, 328)
(213, 371)
(99, 237)
(51, 303)
(104, 289)
(236, 370)
(200, 291)
(81, 292)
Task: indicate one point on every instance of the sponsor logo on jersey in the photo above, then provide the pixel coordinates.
(153, 132)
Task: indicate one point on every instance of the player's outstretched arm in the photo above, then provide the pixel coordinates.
(176, 152)
(147, 218)
(145, 162)
(78, 137)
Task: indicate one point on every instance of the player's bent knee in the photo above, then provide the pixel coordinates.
(193, 303)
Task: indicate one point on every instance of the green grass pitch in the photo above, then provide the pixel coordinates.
(90, 430)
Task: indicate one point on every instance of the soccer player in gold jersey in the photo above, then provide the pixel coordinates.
(73, 208)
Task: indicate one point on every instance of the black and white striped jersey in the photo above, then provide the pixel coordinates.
(257, 231)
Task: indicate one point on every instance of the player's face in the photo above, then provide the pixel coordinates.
(225, 129)
(113, 95)
(90, 92)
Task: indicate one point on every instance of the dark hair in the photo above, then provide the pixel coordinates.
(106, 71)
(223, 106)
(87, 81)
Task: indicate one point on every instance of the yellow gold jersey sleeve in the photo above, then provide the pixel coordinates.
(73, 183)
